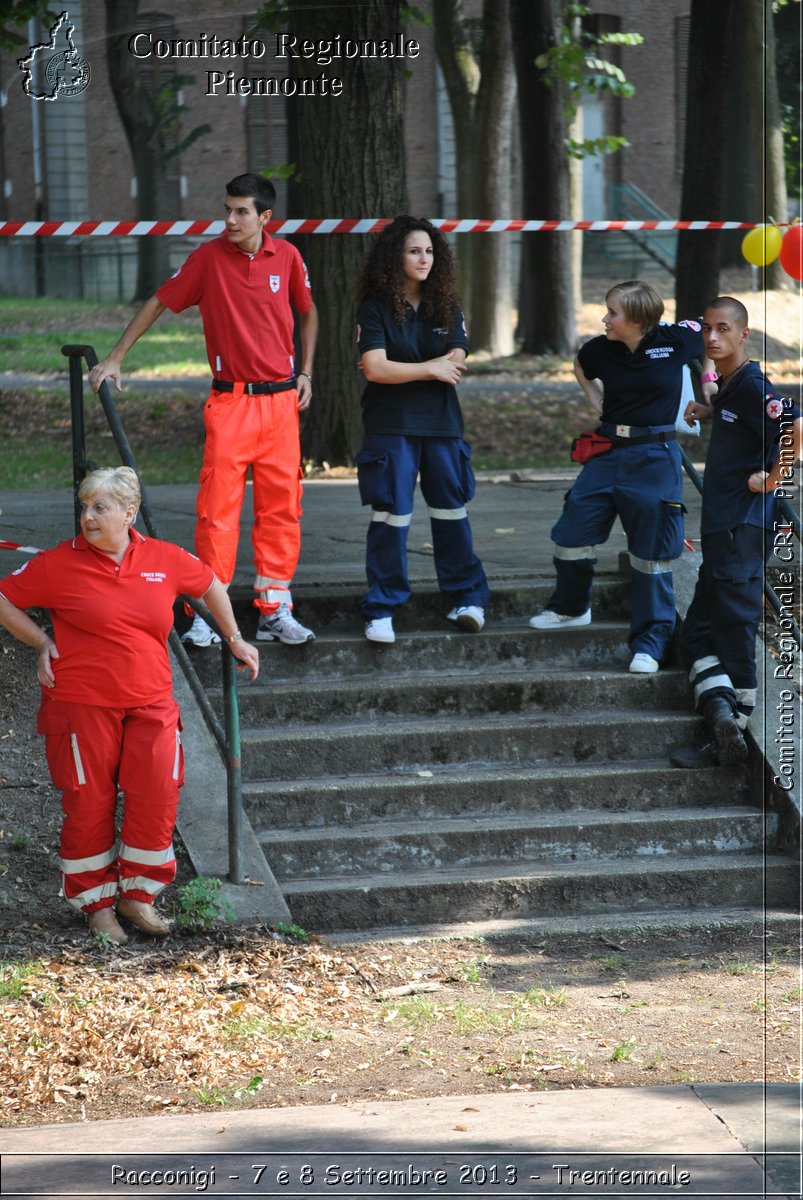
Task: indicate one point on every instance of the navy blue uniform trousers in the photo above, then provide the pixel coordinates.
(718, 642)
(643, 486)
(387, 468)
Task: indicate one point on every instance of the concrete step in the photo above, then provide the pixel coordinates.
(335, 606)
(450, 842)
(293, 751)
(610, 931)
(512, 644)
(538, 889)
(488, 790)
(500, 690)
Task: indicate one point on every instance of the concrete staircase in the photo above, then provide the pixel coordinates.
(455, 779)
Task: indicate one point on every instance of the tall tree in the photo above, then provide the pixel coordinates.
(476, 60)
(755, 181)
(350, 164)
(150, 117)
(547, 287)
(707, 114)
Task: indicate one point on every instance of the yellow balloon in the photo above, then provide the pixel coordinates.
(762, 245)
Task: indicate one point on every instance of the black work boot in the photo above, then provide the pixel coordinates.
(701, 753)
(719, 717)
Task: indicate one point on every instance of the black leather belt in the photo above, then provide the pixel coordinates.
(254, 389)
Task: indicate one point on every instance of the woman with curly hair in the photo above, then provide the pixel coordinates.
(412, 341)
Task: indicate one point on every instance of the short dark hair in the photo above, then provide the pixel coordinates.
(737, 308)
(641, 303)
(260, 189)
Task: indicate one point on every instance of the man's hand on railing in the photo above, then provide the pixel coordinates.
(108, 369)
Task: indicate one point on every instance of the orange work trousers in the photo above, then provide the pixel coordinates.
(92, 751)
(260, 432)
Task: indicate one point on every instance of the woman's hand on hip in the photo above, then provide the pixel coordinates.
(44, 665)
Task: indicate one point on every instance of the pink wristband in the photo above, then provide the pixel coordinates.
(708, 377)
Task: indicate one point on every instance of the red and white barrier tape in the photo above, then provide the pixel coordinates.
(17, 546)
(336, 225)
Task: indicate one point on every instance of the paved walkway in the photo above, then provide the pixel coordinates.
(511, 518)
(723, 1140)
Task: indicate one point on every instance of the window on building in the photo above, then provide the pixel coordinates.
(682, 27)
(266, 133)
(157, 73)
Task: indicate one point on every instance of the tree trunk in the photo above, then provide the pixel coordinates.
(140, 119)
(755, 182)
(491, 293)
(707, 117)
(547, 287)
(351, 164)
(461, 75)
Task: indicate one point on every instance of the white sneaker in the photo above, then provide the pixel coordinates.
(552, 620)
(200, 634)
(644, 664)
(380, 630)
(469, 617)
(281, 626)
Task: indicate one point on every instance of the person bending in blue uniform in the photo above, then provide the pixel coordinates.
(412, 341)
(744, 465)
(633, 373)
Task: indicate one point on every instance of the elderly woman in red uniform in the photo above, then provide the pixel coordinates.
(108, 714)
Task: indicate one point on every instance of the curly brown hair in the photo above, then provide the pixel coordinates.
(383, 274)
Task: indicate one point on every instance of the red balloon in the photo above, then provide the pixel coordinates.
(791, 256)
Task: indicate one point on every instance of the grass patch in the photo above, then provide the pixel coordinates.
(624, 1051)
(244, 1029)
(512, 1014)
(165, 432)
(14, 976)
(32, 333)
(737, 966)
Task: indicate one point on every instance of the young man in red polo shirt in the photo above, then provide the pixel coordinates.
(247, 286)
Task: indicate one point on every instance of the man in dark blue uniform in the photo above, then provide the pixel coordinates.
(634, 374)
(756, 438)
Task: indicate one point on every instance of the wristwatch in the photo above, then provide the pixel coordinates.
(234, 637)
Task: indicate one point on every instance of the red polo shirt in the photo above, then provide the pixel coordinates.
(110, 622)
(246, 303)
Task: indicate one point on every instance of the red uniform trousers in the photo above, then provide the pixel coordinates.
(260, 432)
(93, 752)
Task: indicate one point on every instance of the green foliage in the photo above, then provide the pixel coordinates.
(169, 110)
(16, 15)
(13, 977)
(576, 65)
(272, 16)
(199, 905)
(296, 932)
(282, 171)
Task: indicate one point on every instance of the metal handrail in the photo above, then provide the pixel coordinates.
(788, 513)
(226, 735)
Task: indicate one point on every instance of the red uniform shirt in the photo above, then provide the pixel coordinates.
(110, 622)
(246, 304)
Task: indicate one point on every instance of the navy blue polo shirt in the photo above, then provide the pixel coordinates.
(749, 418)
(643, 386)
(425, 408)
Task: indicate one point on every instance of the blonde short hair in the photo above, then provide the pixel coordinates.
(640, 302)
(121, 483)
